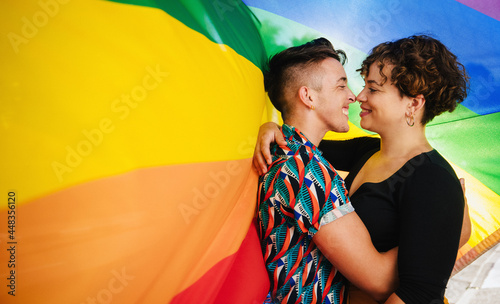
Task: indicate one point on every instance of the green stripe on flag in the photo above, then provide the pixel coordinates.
(459, 113)
(228, 22)
(472, 144)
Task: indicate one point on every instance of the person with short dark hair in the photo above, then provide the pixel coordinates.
(309, 231)
(404, 191)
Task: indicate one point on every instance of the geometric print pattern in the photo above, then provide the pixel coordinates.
(300, 193)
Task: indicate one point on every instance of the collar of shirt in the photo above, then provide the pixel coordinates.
(295, 138)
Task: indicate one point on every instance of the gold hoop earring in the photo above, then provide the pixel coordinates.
(410, 120)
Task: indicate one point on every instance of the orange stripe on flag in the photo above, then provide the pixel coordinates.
(142, 236)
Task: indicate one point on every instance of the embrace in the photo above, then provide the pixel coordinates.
(391, 231)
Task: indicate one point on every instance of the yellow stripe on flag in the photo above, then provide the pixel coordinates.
(484, 207)
(101, 88)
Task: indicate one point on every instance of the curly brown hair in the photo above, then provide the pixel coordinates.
(422, 65)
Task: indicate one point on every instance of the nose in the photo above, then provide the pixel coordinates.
(361, 97)
(351, 97)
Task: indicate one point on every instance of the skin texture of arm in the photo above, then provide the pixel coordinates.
(268, 133)
(347, 245)
(466, 225)
(394, 299)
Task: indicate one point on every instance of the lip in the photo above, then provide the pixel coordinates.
(364, 112)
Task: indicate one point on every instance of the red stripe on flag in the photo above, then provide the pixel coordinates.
(239, 278)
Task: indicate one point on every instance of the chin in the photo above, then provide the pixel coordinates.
(365, 126)
(346, 128)
(342, 129)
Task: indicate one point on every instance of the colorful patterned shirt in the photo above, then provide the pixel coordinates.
(300, 193)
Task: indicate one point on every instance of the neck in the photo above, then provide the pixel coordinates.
(404, 143)
(313, 133)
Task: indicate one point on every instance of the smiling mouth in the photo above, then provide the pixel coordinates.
(345, 111)
(364, 112)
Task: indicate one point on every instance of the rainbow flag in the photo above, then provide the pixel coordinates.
(128, 129)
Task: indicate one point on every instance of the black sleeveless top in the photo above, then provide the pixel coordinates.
(419, 208)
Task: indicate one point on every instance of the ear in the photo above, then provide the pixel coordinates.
(306, 96)
(416, 103)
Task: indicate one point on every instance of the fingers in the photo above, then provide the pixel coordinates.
(256, 165)
(258, 160)
(273, 135)
(280, 140)
(462, 183)
(265, 148)
(259, 163)
(268, 134)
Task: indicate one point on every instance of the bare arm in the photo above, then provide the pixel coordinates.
(394, 299)
(268, 134)
(347, 245)
(466, 225)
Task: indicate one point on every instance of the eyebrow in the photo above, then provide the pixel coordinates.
(373, 81)
(342, 79)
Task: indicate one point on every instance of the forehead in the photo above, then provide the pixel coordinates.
(374, 72)
(333, 68)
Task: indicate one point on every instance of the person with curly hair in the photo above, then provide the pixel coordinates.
(404, 191)
(305, 219)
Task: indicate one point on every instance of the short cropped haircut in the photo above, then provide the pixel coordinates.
(287, 67)
(422, 65)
